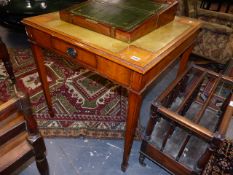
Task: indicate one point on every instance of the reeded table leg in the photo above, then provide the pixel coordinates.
(134, 106)
(39, 58)
(184, 60)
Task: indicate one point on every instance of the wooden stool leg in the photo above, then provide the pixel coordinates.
(40, 153)
(41, 161)
(25, 107)
(43, 166)
(35, 139)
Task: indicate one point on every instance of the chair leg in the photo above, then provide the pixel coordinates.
(43, 166)
(40, 153)
(26, 108)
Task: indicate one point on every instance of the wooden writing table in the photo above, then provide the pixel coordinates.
(134, 66)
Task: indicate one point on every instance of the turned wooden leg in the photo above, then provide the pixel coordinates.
(43, 166)
(40, 153)
(131, 125)
(184, 60)
(25, 107)
(142, 159)
(39, 59)
(154, 118)
(34, 138)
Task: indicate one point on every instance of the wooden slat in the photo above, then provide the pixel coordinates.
(190, 94)
(164, 160)
(14, 153)
(8, 108)
(168, 134)
(11, 128)
(182, 107)
(13, 143)
(193, 127)
(172, 86)
(199, 116)
(185, 142)
(224, 77)
(206, 103)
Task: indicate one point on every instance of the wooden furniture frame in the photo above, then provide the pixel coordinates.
(134, 66)
(20, 139)
(177, 118)
(158, 19)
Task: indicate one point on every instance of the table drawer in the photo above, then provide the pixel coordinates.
(41, 38)
(74, 52)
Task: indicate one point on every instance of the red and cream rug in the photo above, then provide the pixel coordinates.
(85, 103)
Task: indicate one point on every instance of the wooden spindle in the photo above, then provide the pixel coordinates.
(184, 107)
(25, 107)
(152, 121)
(198, 117)
(191, 95)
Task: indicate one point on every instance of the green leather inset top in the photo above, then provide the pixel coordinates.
(123, 14)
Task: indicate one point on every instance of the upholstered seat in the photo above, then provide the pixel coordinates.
(215, 40)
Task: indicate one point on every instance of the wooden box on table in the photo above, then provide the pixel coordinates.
(126, 20)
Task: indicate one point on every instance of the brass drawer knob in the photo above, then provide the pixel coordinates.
(71, 52)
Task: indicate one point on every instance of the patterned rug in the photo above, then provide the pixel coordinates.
(221, 162)
(85, 103)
